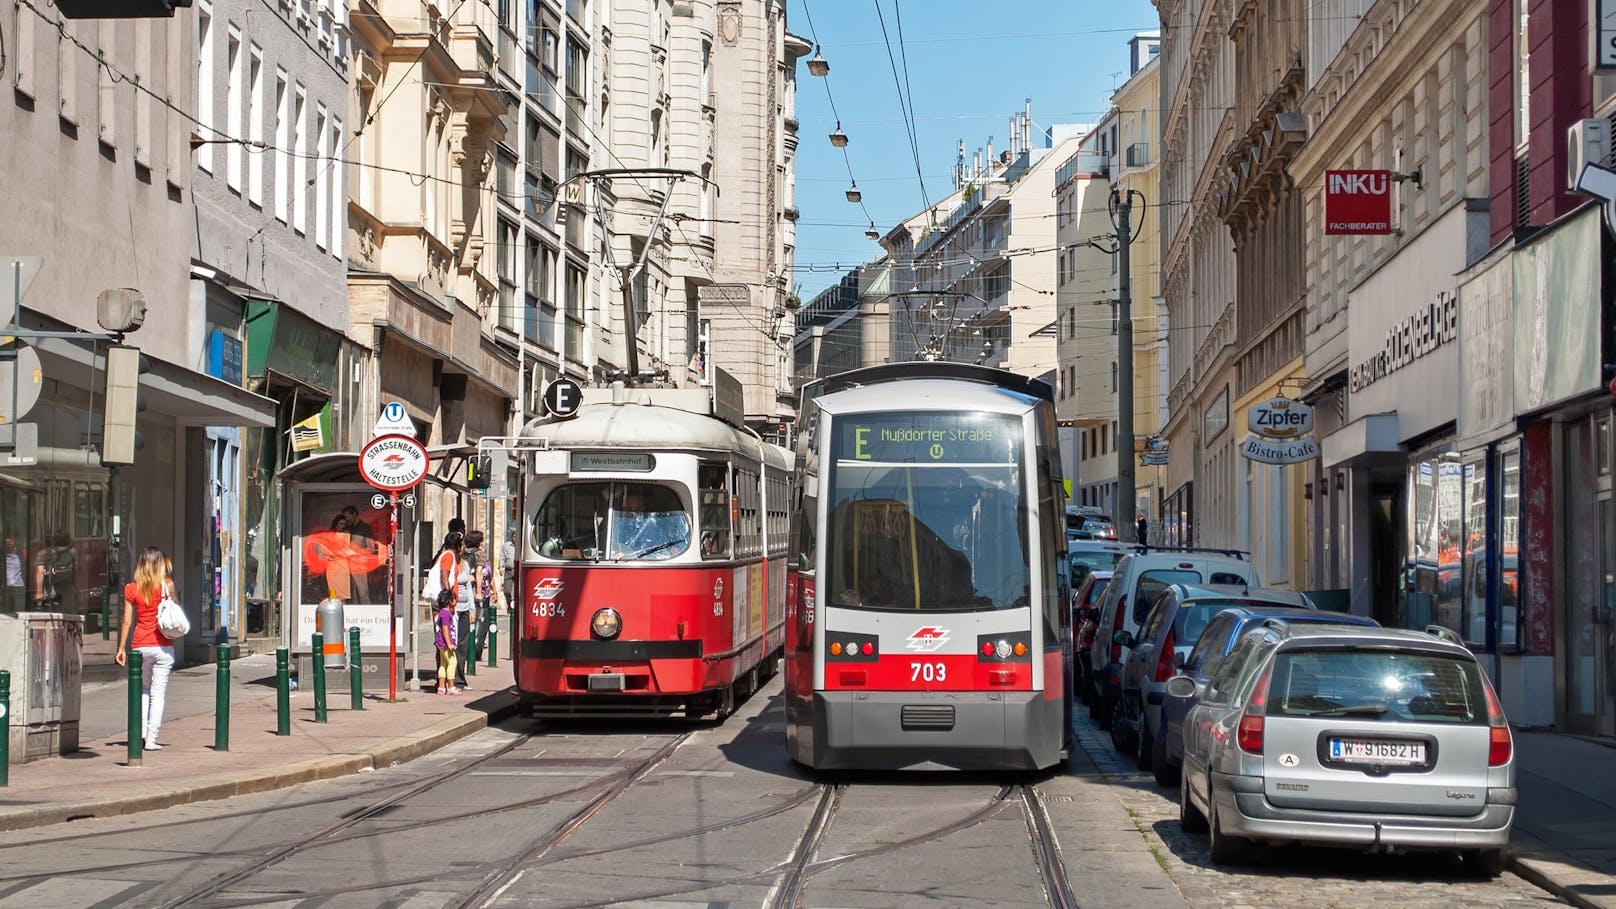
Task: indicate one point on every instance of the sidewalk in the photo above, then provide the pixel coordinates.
(1565, 825)
(96, 782)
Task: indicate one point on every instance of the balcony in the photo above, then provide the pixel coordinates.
(1136, 155)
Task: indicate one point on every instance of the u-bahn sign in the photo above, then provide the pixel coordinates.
(1280, 418)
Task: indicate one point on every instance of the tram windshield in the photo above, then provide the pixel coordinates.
(612, 521)
(928, 511)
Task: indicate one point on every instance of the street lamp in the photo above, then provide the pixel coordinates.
(872, 233)
(817, 64)
(853, 194)
(837, 137)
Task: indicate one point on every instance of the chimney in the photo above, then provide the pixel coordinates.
(990, 151)
(1014, 132)
(1026, 125)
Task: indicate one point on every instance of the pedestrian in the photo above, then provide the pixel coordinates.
(1143, 526)
(444, 639)
(487, 592)
(466, 604)
(152, 584)
(507, 566)
(16, 583)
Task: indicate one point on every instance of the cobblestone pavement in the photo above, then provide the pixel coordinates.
(1294, 876)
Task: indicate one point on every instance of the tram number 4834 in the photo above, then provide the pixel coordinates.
(549, 610)
(927, 672)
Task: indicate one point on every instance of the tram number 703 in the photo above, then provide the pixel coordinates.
(927, 672)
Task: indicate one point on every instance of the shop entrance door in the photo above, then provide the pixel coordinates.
(1385, 568)
(1590, 597)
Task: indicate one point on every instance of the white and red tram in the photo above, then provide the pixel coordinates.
(926, 615)
(653, 558)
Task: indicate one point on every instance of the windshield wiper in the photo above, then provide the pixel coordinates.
(654, 549)
(1368, 710)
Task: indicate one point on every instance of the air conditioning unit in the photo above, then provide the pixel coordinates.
(1587, 142)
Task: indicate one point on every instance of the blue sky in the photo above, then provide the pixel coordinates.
(971, 66)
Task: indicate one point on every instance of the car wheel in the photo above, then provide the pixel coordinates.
(1120, 739)
(1225, 849)
(1095, 705)
(1484, 863)
(1189, 816)
(1166, 773)
(1108, 713)
(1146, 757)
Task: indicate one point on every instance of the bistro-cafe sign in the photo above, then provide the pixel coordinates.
(1280, 430)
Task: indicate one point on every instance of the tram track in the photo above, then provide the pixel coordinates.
(1052, 870)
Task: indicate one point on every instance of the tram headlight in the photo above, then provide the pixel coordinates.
(606, 623)
(1003, 650)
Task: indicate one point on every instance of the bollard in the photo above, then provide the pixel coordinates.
(283, 693)
(137, 716)
(319, 677)
(493, 642)
(106, 612)
(221, 700)
(471, 645)
(356, 674)
(5, 727)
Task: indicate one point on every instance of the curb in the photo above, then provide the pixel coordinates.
(220, 786)
(1528, 869)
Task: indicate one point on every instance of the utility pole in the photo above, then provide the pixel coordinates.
(1126, 492)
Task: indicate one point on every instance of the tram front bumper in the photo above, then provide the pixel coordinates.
(951, 730)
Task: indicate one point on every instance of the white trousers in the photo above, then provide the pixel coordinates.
(155, 664)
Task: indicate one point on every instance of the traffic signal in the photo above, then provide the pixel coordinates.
(118, 436)
(479, 471)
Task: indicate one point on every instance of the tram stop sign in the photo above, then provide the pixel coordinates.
(562, 397)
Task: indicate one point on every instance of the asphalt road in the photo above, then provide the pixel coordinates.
(680, 815)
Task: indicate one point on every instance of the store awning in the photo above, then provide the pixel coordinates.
(191, 398)
(1370, 435)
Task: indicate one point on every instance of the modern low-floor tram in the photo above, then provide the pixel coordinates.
(926, 622)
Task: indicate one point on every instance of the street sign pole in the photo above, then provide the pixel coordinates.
(392, 599)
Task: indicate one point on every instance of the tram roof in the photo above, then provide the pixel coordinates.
(927, 394)
(650, 426)
(942, 371)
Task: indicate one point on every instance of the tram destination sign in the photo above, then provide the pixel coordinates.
(610, 461)
(928, 438)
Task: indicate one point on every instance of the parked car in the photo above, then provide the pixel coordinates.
(1155, 653)
(1090, 554)
(1364, 738)
(1208, 653)
(1140, 577)
(1087, 519)
(1085, 619)
(1100, 529)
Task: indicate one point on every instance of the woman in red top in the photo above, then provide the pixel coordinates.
(153, 581)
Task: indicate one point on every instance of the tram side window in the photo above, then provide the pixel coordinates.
(749, 537)
(713, 479)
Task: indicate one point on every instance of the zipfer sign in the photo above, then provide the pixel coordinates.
(1357, 202)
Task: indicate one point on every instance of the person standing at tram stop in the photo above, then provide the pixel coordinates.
(465, 605)
(443, 623)
(153, 580)
(446, 565)
(485, 594)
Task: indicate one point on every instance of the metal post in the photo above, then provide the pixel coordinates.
(137, 717)
(221, 700)
(114, 556)
(5, 727)
(283, 692)
(493, 637)
(392, 599)
(1126, 492)
(356, 672)
(319, 677)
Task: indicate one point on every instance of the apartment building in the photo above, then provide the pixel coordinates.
(845, 326)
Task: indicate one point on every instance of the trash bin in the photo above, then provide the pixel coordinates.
(44, 652)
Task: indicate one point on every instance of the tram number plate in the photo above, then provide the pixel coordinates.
(606, 681)
(1363, 751)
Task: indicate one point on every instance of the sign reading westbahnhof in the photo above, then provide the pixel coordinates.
(393, 462)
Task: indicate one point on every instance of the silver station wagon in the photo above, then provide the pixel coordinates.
(1365, 738)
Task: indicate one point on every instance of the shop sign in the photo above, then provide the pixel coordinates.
(392, 463)
(1280, 418)
(1276, 451)
(224, 356)
(1435, 324)
(1216, 418)
(1604, 37)
(1357, 202)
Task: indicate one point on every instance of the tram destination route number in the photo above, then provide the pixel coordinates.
(942, 438)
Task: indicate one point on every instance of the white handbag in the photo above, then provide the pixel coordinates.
(171, 619)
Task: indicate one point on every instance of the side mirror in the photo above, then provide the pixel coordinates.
(1181, 686)
(1123, 638)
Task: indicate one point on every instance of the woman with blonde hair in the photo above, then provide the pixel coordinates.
(153, 582)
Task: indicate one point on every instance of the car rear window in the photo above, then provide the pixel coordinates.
(1097, 560)
(1095, 593)
(1152, 583)
(1375, 683)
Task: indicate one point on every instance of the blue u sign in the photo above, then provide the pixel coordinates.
(394, 412)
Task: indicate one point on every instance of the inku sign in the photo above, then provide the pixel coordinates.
(1357, 202)
(392, 463)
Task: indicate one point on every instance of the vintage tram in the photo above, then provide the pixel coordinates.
(926, 624)
(653, 557)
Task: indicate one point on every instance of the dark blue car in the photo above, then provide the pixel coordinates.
(1214, 644)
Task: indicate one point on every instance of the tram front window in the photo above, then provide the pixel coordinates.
(614, 521)
(928, 511)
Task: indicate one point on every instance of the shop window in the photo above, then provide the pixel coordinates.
(1508, 577)
(1475, 567)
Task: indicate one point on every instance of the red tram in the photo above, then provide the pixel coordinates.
(653, 558)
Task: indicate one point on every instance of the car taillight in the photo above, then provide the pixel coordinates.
(1249, 734)
(1164, 658)
(1500, 745)
(1116, 626)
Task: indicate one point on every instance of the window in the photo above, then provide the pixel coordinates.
(1377, 685)
(233, 110)
(1222, 685)
(533, 274)
(705, 211)
(255, 126)
(1115, 318)
(1523, 75)
(1152, 583)
(298, 187)
(339, 191)
(575, 312)
(1208, 642)
(654, 153)
(205, 80)
(322, 174)
(713, 480)
(365, 177)
(706, 70)
(507, 252)
(1113, 376)
(612, 520)
(283, 144)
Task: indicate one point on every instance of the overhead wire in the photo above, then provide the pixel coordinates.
(847, 158)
